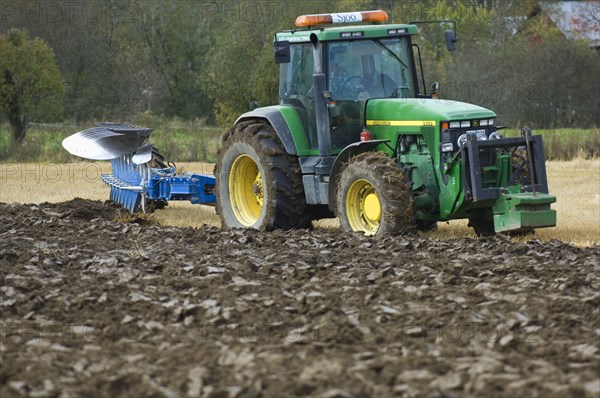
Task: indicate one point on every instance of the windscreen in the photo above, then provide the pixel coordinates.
(373, 68)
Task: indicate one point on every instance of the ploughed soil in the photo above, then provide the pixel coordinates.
(95, 304)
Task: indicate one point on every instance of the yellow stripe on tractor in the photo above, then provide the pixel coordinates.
(402, 123)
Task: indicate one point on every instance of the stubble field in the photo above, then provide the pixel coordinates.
(575, 183)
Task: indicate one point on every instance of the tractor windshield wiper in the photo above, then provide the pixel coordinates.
(393, 54)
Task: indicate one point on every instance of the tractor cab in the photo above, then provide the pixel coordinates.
(359, 63)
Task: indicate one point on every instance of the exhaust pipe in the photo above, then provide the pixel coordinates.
(321, 112)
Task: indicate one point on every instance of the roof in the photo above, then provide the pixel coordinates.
(336, 32)
(575, 19)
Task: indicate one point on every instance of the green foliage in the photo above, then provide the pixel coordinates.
(31, 87)
(536, 78)
(208, 60)
(182, 140)
(42, 144)
(240, 60)
(567, 144)
(178, 41)
(177, 139)
(239, 53)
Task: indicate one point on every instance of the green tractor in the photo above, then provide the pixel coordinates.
(355, 135)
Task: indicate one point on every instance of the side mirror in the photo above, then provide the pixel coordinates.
(282, 52)
(450, 40)
(435, 86)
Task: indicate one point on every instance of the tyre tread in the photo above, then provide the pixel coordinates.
(288, 209)
(400, 216)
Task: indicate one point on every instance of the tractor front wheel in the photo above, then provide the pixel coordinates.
(374, 196)
(258, 184)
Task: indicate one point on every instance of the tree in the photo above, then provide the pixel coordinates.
(240, 65)
(30, 84)
(177, 40)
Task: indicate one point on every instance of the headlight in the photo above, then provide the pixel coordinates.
(481, 136)
(495, 136)
(483, 122)
(465, 124)
(454, 125)
(446, 147)
(462, 140)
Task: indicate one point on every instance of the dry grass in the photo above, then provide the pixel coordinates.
(52, 182)
(575, 183)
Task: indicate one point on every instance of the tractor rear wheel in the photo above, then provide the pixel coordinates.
(258, 184)
(374, 196)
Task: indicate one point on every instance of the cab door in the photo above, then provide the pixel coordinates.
(295, 88)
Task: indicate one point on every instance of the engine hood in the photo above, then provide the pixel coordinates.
(406, 109)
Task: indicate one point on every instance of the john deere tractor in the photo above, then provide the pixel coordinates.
(355, 135)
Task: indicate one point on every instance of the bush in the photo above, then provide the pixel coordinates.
(536, 78)
(176, 139)
(567, 144)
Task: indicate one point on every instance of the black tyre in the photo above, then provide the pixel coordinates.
(426, 226)
(258, 184)
(374, 196)
(482, 226)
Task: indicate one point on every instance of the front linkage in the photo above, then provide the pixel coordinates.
(517, 193)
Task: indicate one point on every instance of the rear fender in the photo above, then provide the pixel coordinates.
(276, 119)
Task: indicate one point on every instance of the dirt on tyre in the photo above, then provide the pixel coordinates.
(258, 184)
(374, 197)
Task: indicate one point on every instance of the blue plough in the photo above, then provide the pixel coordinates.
(140, 176)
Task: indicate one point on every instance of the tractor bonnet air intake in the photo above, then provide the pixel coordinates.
(107, 141)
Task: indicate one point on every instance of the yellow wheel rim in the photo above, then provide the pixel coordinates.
(363, 207)
(246, 190)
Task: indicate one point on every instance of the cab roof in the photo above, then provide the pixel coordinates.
(347, 32)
